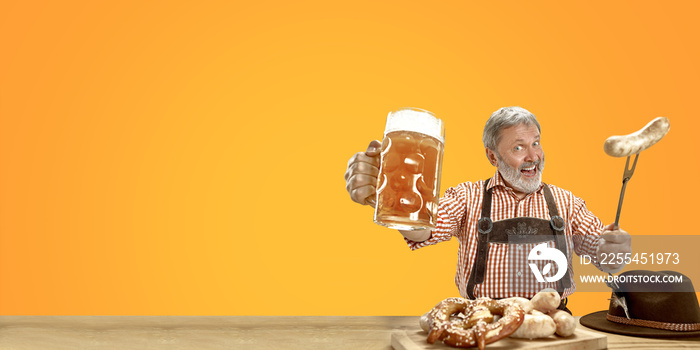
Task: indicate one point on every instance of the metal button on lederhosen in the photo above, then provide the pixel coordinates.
(522, 230)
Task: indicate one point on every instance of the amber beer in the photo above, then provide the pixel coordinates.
(408, 186)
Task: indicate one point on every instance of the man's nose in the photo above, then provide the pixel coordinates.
(531, 155)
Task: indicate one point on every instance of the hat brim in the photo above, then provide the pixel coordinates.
(598, 321)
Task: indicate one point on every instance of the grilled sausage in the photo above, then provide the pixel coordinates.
(566, 324)
(627, 145)
(546, 300)
(535, 325)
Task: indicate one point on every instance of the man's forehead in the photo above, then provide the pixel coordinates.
(535, 137)
(520, 132)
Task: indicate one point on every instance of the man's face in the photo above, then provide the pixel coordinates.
(520, 158)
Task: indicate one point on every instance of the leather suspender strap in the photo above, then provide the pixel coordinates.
(558, 225)
(484, 226)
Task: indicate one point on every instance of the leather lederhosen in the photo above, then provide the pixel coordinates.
(521, 230)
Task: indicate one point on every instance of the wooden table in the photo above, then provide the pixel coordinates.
(232, 332)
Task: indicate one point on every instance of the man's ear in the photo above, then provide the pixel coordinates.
(491, 155)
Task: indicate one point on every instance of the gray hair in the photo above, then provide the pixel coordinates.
(503, 118)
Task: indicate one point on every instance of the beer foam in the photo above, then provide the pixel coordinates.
(417, 120)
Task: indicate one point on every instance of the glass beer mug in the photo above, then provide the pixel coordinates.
(408, 186)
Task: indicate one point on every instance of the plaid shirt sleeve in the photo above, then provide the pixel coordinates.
(586, 229)
(450, 217)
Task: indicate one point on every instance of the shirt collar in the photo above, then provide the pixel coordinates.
(497, 180)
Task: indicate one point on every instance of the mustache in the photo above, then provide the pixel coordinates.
(529, 164)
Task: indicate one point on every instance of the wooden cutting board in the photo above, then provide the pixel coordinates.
(415, 339)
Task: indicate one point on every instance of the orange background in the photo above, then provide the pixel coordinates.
(187, 158)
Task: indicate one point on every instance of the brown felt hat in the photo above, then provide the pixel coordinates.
(661, 304)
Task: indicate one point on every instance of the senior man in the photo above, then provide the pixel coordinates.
(490, 217)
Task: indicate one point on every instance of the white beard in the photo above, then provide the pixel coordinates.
(517, 180)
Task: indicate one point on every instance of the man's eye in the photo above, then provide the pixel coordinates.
(518, 148)
(537, 143)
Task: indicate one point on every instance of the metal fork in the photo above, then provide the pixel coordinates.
(626, 176)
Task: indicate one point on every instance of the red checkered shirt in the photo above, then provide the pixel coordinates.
(459, 211)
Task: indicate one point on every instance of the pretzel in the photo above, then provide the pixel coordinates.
(477, 327)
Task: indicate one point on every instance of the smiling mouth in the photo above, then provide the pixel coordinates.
(529, 171)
